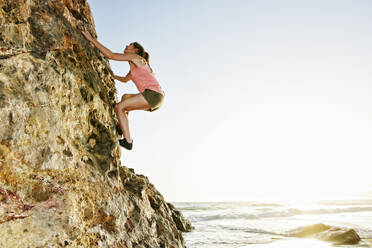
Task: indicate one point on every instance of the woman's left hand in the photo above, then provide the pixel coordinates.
(87, 35)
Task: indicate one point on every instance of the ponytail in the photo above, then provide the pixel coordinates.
(146, 56)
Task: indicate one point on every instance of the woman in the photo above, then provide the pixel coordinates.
(151, 95)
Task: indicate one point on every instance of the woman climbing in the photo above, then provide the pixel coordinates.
(151, 95)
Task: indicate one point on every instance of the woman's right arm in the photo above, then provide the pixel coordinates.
(123, 79)
(104, 50)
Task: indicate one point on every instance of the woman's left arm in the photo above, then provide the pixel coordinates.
(124, 79)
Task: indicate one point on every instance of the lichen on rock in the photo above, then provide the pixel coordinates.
(61, 182)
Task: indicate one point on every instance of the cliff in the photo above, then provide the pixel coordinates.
(61, 182)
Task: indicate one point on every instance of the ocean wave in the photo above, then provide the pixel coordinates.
(195, 208)
(243, 215)
(289, 212)
(347, 203)
(364, 233)
(337, 210)
(206, 206)
(221, 217)
(266, 205)
(250, 230)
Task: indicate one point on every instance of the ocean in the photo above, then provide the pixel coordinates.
(264, 224)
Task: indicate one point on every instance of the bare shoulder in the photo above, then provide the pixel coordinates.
(138, 60)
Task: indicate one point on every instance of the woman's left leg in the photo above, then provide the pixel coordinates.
(135, 102)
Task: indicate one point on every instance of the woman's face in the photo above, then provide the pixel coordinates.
(130, 49)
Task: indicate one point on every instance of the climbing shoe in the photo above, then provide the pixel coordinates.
(118, 130)
(124, 143)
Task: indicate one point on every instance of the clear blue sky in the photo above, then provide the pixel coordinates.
(264, 98)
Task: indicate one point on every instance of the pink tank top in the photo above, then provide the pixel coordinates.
(143, 78)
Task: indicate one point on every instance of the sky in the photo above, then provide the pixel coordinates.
(265, 99)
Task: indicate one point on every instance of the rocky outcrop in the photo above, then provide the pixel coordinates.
(336, 235)
(182, 224)
(61, 182)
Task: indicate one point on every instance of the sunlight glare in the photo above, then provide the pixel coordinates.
(285, 152)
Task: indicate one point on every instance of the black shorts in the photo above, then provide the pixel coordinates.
(155, 99)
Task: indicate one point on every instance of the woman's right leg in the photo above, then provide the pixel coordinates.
(134, 102)
(125, 97)
(122, 117)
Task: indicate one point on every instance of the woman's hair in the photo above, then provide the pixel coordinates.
(141, 52)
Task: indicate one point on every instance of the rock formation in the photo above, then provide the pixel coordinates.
(61, 182)
(336, 235)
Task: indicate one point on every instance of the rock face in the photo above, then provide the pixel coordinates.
(61, 183)
(337, 236)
